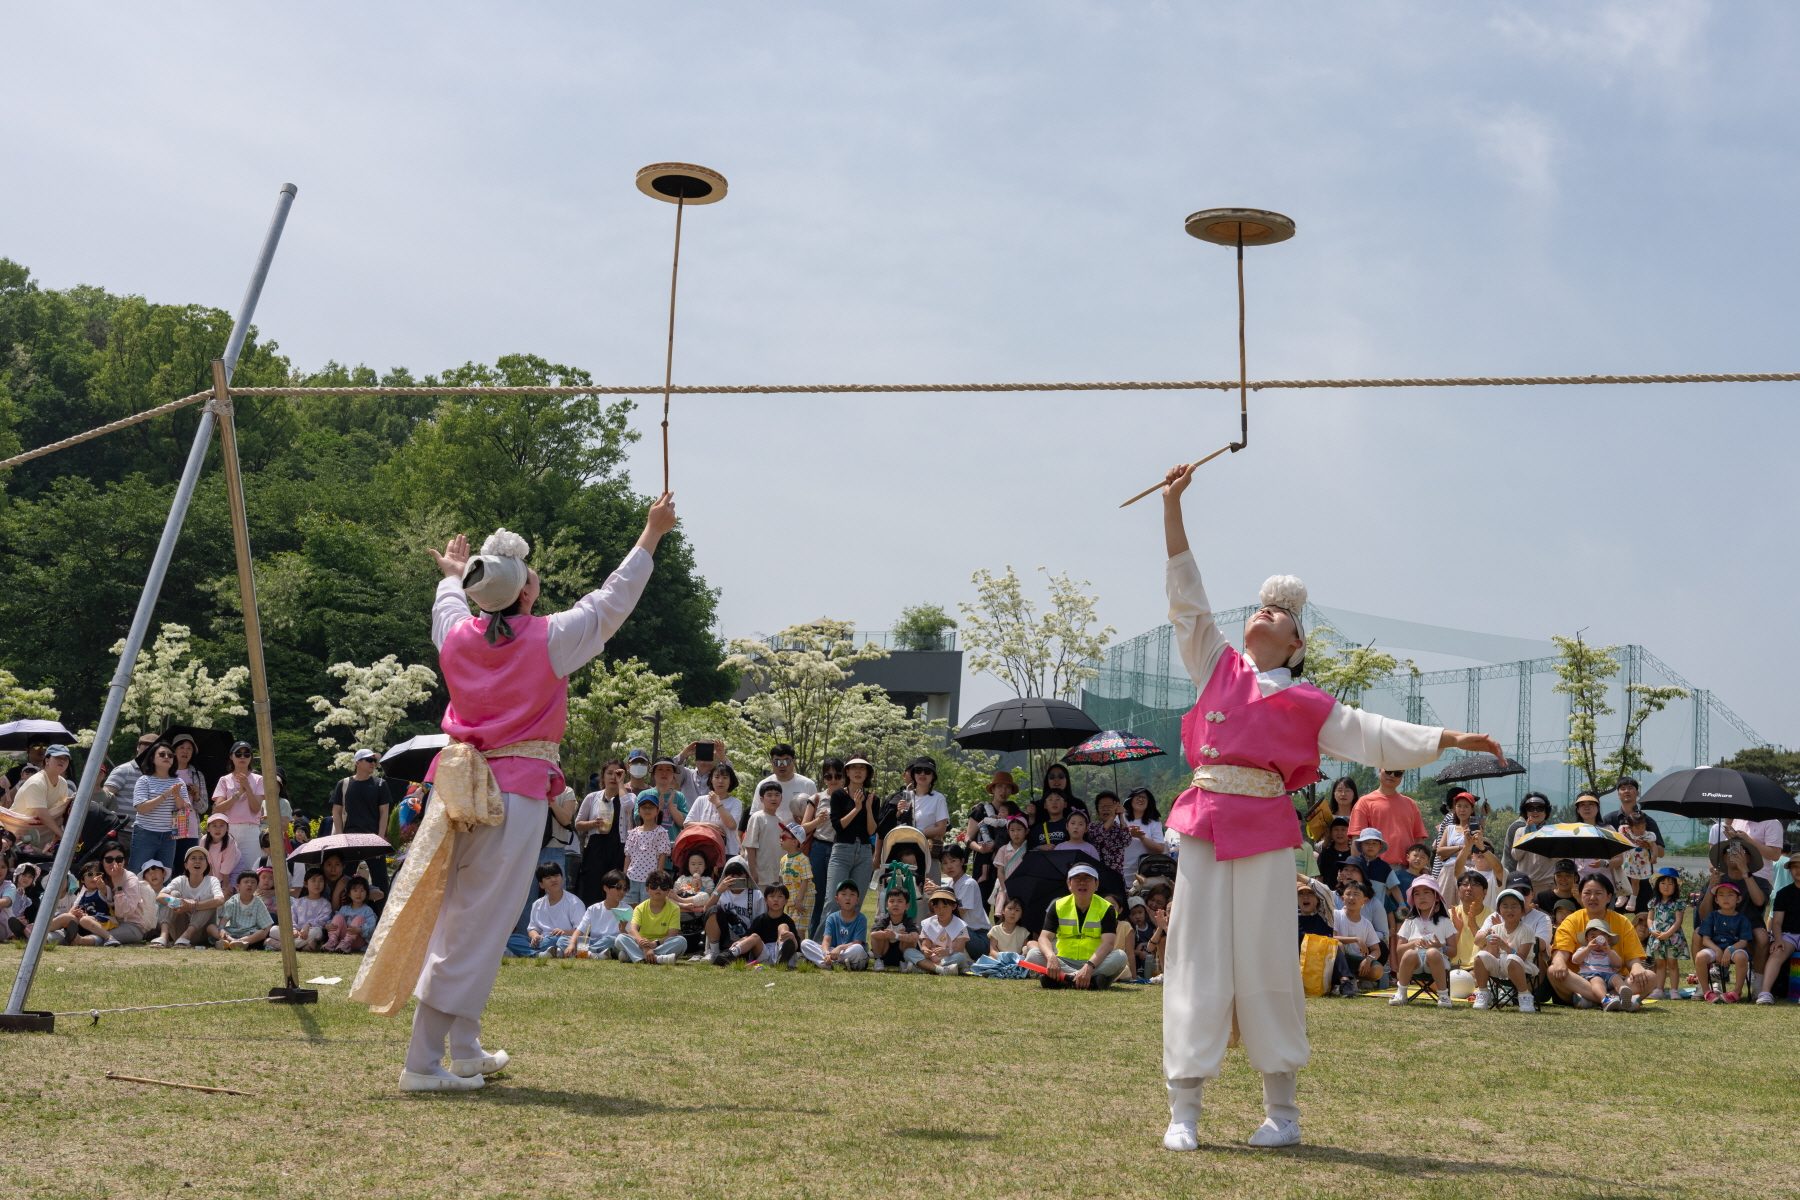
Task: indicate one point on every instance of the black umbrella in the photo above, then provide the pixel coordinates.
(1479, 766)
(1031, 723)
(1721, 792)
(413, 757)
(1043, 875)
(15, 736)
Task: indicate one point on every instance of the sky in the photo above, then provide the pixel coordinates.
(941, 192)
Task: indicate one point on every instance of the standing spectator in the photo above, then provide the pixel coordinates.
(1108, 832)
(244, 919)
(1006, 860)
(193, 897)
(1453, 832)
(189, 816)
(666, 781)
(1587, 811)
(118, 792)
(43, 798)
(133, 901)
(762, 837)
(1783, 930)
(158, 798)
(645, 849)
(815, 819)
(854, 816)
(1640, 861)
(1667, 944)
(986, 831)
(1596, 896)
(1620, 819)
(846, 934)
(968, 899)
(797, 791)
(239, 798)
(920, 805)
(1394, 813)
(600, 823)
(796, 875)
(1143, 821)
(1056, 779)
(1534, 814)
(718, 807)
(360, 804)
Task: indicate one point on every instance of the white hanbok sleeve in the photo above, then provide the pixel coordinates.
(448, 610)
(1197, 635)
(580, 634)
(1354, 735)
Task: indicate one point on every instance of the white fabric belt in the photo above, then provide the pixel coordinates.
(1239, 781)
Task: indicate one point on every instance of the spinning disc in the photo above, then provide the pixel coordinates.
(1221, 225)
(684, 182)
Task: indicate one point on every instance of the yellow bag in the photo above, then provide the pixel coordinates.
(1318, 955)
(1318, 821)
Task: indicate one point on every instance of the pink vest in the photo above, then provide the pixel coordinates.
(1277, 733)
(506, 693)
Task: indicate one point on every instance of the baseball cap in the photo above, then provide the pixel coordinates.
(56, 750)
(1566, 866)
(1082, 868)
(363, 755)
(1519, 881)
(793, 830)
(637, 755)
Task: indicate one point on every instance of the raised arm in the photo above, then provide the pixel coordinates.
(577, 636)
(1196, 633)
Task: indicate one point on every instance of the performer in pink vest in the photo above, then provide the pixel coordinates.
(1254, 736)
(508, 675)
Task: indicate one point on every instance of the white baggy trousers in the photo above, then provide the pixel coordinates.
(1231, 943)
(490, 876)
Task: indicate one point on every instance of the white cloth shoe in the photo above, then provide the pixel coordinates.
(1484, 999)
(442, 1081)
(471, 1068)
(1399, 996)
(1444, 1001)
(1181, 1135)
(1527, 1002)
(1272, 1134)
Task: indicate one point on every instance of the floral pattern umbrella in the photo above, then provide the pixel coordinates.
(1113, 746)
(1574, 840)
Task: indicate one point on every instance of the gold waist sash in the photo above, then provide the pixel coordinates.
(1239, 781)
(464, 795)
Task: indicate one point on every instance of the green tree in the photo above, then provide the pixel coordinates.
(922, 627)
(1583, 676)
(802, 679)
(1783, 766)
(606, 701)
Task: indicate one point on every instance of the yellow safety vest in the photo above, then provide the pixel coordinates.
(1079, 938)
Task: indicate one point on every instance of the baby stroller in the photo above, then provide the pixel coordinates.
(700, 839)
(904, 853)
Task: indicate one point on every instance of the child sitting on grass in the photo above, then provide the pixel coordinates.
(1598, 963)
(845, 934)
(735, 906)
(894, 941)
(600, 930)
(1009, 935)
(355, 920)
(953, 860)
(1359, 944)
(312, 912)
(244, 920)
(773, 937)
(943, 936)
(652, 935)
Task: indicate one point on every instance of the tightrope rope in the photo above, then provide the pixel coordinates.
(97, 1013)
(818, 389)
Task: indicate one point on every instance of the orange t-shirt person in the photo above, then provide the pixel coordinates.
(1395, 814)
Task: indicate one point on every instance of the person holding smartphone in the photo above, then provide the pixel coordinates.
(1453, 831)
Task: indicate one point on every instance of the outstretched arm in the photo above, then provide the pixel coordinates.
(1197, 635)
(576, 636)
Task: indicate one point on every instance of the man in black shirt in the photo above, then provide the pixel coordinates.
(360, 804)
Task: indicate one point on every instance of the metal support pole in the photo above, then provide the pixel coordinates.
(15, 1016)
(669, 361)
(259, 683)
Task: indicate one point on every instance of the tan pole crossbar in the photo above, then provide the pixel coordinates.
(259, 679)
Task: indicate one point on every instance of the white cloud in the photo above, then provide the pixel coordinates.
(1521, 145)
(1661, 37)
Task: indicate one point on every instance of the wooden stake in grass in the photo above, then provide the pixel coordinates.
(192, 1087)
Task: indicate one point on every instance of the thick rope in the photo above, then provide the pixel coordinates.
(1186, 385)
(771, 389)
(134, 419)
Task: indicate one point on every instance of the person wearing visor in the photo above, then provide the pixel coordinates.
(1254, 736)
(470, 864)
(1081, 930)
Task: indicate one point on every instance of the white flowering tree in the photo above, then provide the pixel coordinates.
(606, 702)
(169, 686)
(376, 698)
(801, 675)
(1034, 655)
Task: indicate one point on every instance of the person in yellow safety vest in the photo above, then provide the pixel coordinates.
(1079, 932)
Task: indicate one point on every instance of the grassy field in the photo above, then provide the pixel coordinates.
(693, 1081)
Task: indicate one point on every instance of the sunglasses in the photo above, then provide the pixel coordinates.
(242, 754)
(112, 860)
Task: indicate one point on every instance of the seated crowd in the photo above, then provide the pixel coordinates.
(1448, 919)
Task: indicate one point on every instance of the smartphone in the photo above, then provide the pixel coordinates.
(703, 751)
